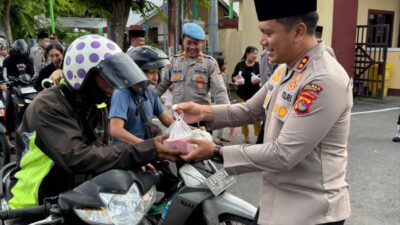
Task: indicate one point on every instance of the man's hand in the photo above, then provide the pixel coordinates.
(192, 111)
(204, 150)
(163, 152)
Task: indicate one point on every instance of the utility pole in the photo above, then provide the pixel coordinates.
(52, 23)
(213, 49)
(178, 24)
(171, 26)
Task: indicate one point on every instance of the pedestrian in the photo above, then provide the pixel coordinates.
(136, 39)
(222, 63)
(63, 139)
(397, 136)
(193, 73)
(38, 53)
(55, 53)
(248, 69)
(306, 104)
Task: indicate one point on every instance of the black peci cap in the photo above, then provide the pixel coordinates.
(319, 29)
(43, 35)
(136, 33)
(273, 9)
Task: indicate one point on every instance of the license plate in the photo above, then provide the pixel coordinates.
(28, 90)
(220, 181)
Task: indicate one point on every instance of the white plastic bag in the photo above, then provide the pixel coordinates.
(240, 79)
(179, 135)
(254, 78)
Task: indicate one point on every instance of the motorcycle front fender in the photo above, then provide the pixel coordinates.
(227, 204)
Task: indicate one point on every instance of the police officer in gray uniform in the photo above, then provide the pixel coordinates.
(306, 105)
(193, 73)
(38, 53)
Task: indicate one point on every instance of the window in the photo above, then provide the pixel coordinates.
(378, 34)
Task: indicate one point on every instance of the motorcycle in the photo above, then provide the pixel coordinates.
(21, 92)
(124, 197)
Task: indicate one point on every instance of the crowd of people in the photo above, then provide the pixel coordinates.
(98, 114)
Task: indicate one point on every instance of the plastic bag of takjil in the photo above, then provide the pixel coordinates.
(180, 135)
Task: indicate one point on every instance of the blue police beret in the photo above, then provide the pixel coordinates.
(194, 31)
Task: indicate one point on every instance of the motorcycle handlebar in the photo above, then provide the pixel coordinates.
(23, 213)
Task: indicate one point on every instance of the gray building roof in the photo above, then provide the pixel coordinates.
(80, 22)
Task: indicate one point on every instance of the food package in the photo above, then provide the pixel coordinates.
(240, 79)
(179, 135)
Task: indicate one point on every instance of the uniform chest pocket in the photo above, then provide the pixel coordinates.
(281, 110)
(200, 83)
(177, 77)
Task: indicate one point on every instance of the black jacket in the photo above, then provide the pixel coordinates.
(43, 74)
(247, 90)
(77, 145)
(17, 66)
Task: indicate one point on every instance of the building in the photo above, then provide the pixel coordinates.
(366, 47)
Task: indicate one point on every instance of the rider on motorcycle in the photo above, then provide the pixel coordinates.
(18, 63)
(63, 138)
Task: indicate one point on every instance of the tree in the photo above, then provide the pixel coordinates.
(117, 13)
(5, 8)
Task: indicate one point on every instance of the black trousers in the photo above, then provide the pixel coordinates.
(333, 223)
(398, 120)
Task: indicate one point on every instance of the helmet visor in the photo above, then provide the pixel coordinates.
(120, 71)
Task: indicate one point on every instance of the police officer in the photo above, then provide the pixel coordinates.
(193, 73)
(136, 39)
(38, 53)
(306, 105)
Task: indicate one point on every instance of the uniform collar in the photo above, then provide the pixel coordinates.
(199, 58)
(315, 52)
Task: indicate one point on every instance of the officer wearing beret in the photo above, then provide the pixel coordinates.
(136, 39)
(193, 73)
(306, 105)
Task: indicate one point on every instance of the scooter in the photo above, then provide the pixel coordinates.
(123, 197)
(21, 92)
(201, 199)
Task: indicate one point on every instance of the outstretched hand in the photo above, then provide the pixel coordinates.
(192, 112)
(204, 150)
(163, 152)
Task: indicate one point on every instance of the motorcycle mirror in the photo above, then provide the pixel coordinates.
(46, 83)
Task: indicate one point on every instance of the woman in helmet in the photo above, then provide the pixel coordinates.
(126, 124)
(64, 132)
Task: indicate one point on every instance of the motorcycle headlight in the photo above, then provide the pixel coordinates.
(120, 209)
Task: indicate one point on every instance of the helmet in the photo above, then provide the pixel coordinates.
(148, 57)
(20, 48)
(3, 43)
(94, 53)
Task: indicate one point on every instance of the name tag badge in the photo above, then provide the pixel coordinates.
(267, 99)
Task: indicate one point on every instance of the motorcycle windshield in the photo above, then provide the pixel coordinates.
(121, 72)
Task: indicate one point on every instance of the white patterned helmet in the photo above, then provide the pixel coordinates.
(91, 52)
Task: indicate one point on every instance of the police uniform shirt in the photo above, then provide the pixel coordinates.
(304, 155)
(194, 79)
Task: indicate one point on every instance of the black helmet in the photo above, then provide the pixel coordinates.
(148, 57)
(3, 43)
(20, 48)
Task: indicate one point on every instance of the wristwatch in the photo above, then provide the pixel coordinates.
(217, 157)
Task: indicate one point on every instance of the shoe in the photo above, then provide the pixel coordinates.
(222, 139)
(396, 139)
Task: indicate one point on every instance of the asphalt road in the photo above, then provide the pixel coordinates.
(373, 167)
